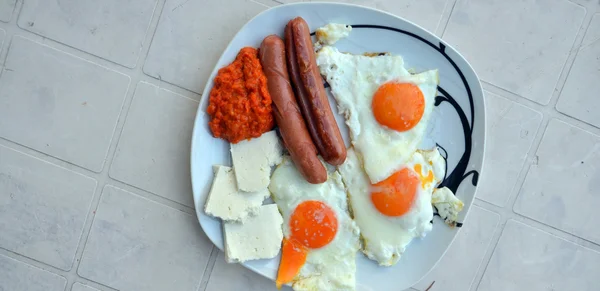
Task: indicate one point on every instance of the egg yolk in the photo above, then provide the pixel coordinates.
(425, 180)
(313, 225)
(398, 106)
(394, 196)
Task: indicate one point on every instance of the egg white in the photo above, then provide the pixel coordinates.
(385, 238)
(353, 80)
(333, 266)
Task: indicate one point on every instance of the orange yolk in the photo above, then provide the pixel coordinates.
(398, 106)
(313, 225)
(293, 257)
(394, 196)
(424, 179)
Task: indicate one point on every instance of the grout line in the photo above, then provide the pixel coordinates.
(104, 178)
(90, 283)
(101, 178)
(136, 75)
(566, 68)
(170, 87)
(150, 34)
(9, 31)
(214, 253)
(507, 213)
(87, 54)
(445, 20)
(547, 110)
(488, 255)
(591, 5)
(151, 196)
(267, 3)
(33, 262)
(530, 160)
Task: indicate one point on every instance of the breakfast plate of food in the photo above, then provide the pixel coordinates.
(337, 147)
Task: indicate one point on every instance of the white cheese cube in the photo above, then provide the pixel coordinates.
(252, 161)
(225, 201)
(259, 237)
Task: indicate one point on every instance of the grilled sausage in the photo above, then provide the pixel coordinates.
(287, 114)
(310, 93)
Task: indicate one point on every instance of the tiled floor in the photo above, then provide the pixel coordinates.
(96, 120)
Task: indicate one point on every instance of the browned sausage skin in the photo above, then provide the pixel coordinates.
(310, 93)
(301, 98)
(287, 114)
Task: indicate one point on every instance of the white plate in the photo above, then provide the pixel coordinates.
(458, 124)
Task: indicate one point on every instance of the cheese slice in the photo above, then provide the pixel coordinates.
(225, 201)
(252, 161)
(259, 237)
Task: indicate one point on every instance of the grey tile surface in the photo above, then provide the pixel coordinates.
(517, 45)
(579, 97)
(70, 126)
(82, 287)
(458, 267)
(6, 9)
(18, 276)
(138, 244)
(42, 208)
(111, 29)
(2, 36)
(69, 106)
(187, 44)
(426, 14)
(154, 149)
(561, 188)
(511, 128)
(530, 259)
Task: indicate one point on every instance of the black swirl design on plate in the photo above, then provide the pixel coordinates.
(459, 173)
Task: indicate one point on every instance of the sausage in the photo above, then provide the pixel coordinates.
(287, 114)
(310, 93)
(301, 98)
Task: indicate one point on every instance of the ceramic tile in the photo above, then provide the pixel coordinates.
(510, 130)
(530, 259)
(154, 149)
(232, 277)
(137, 244)
(18, 276)
(426, 14)
(592, 35)
(82, 287)
(2, 36)
(579, 97)
(111, 29)
(457, 269)
(6, 9)
(191, 36)
(69, 106)
(516, 45)
(561, 186)
(42, 208)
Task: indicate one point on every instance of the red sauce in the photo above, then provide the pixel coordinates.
(240, 104)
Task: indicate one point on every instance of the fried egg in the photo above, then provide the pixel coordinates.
(391, 213)
(320, 239)
(447, 205)
(386, 108)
